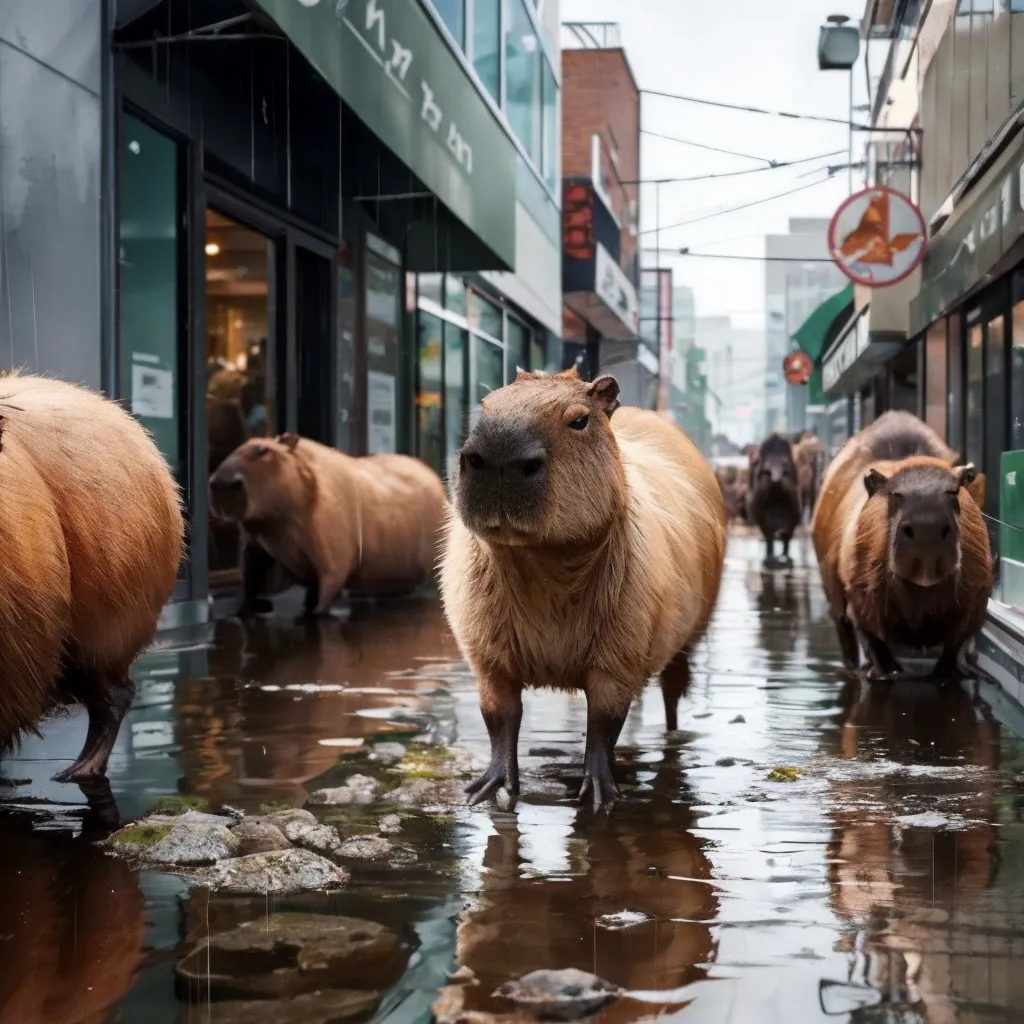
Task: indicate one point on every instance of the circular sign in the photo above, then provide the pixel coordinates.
(877, 237)
(797, 367)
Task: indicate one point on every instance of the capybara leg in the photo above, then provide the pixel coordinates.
(883, 664)
(502, 708)
(603, 728)
(769, 548)
(848, 643)
(785, 547)
(107, 702)
(256, 565)
(956, 660)
(675, 681)
(328, 588)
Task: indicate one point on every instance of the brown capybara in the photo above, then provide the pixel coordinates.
(585, 553)
(806, 454)
(728, 478)
(92, 538)
(330, 520)
(902, 545)
(773, 504)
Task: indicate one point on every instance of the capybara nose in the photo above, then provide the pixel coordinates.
(227, 481)
(925, 531)
(526, 465)
(496, 449)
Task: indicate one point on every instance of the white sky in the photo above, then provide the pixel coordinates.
(738, 51)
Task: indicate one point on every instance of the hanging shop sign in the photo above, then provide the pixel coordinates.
(877, 237)
(797, 367)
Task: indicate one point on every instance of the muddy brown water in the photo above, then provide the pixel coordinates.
(884, 883)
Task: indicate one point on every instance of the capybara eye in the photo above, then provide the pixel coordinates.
(259, 451)
(580, 422)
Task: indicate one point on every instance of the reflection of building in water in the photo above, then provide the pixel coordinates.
(927, 909)
(281, 697)
(71, 928)
(552, 873)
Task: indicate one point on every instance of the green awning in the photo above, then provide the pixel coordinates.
(818, 331)
(812, 333)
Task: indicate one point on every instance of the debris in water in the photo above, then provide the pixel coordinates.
(785, 773)
(560, 995)
(932, 819)
(623, 919)
(389, 825)
(738, 720)
(359, 790)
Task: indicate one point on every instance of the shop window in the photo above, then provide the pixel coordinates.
(487, 370)
(935, 399)
(149, 286)
(1017, 6)
(456, 412)
(484, 316)
(551, 133)
(522, 78)
(429, 400)
(994, 405)
(955, 364)
(545, 352)
(487, 44)
(431, 286)
(345, 351)
(517, 349)
(974, 437)
(1017, 375)
(239, 360)
(455, 295)
(454, 16)
(383, 330)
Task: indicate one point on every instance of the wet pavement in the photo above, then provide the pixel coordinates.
(802, 849)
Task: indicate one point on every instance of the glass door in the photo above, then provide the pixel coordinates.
(240, 361)
(383, 311)
(312, 283)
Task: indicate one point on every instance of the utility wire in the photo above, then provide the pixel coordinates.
(704, 145)
(730, 256)
(844, 121)
(732, 174)
(734, 209)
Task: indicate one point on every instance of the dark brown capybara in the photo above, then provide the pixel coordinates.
(902, 546)
(370, 524)
(585, 553)
(92, 538)
(773, 502)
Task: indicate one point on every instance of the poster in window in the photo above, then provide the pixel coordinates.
(152, 392)
(380, 412)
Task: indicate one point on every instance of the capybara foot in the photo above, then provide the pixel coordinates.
(255, 606)
(494, 782)
(597, 777)
(956, 663)
(88, 770)
(107, 701)
(675, 681)
(875, 674)
(848, 644)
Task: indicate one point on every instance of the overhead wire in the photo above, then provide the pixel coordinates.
(722, 105)
(773, 166)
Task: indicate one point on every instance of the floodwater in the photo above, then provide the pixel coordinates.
(884, 882)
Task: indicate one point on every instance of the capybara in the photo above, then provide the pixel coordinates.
(773, 502)
(330, 520)
(902, 545)
(92, 540)
(585, 553)
(806, 454)
(733, 490)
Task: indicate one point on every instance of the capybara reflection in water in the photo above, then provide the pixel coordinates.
(585, 553)
(92, 538)
(902, 546)
(774, 503)
(329, 520)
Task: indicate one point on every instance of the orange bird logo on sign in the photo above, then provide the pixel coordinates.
(877, 237)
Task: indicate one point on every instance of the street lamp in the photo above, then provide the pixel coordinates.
(838, 50)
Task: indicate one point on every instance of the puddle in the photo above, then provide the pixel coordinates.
(882, 881)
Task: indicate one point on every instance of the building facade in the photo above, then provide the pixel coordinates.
(735, 378)
(240, 217)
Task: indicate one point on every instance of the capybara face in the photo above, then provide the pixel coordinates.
(923, 509)
(541, 465)
(774, 462)
(258, 480)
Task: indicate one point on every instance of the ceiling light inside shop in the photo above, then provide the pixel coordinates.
(212, 248)
(134, 147)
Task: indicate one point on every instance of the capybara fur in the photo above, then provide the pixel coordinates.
(733, 484)
(902, 546)
(585, 553)
(92, 539)
(370, 524)
(774, 503)
(806, 454)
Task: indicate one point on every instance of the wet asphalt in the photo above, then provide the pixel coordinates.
(804, 848)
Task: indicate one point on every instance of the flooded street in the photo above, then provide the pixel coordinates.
(801, 849)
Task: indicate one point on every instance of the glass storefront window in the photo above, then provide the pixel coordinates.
(517, 349)
(487, 45)
(383, 330)
(549, 157)
(935, 378)
(148, 266)
(522, 78)
(487, 371)
(455, 295)
(429, 403)
(955, 420)
(995, 406)
(455, 405)
(431, 286)
(239, 360)
(484, 316)
(1017, 380)
(974, 445)
(453, 15)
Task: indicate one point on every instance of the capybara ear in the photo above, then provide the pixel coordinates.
(969, 478)
(570, 374)
(874, 482)
(965, 474)
(606, 391)
(289, 440)
(522, 374)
